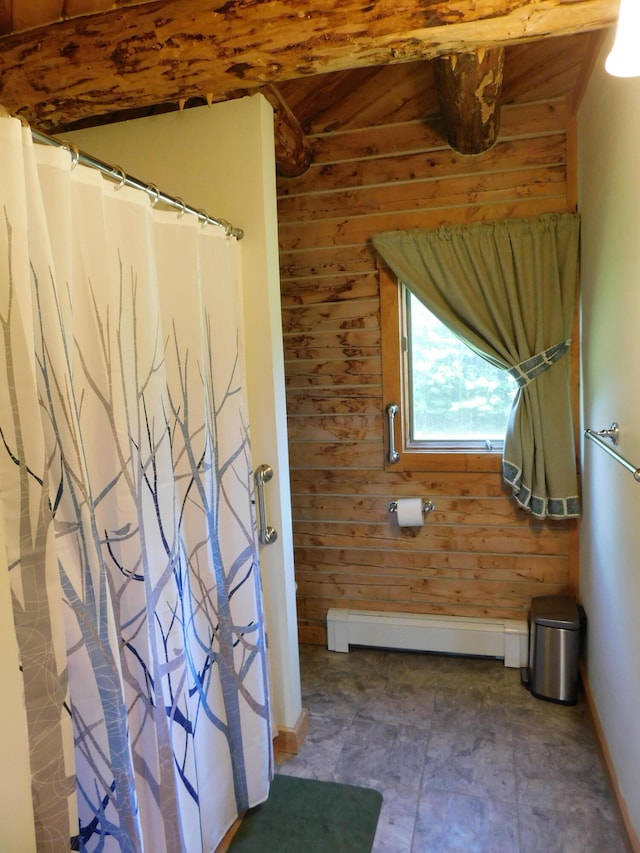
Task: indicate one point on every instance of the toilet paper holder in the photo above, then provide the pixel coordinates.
(427, 506)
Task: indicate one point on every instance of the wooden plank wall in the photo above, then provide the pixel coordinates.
(477, 554)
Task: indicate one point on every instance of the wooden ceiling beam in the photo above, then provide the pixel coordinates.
(292, 149)
(154, 52)
(469, 87)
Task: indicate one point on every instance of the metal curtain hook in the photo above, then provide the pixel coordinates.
(75, 154)
(154, 194)
(123, 178)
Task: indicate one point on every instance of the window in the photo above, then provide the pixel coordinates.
(457, 400)
(451, 400)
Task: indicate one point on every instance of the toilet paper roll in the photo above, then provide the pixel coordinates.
(410, 512)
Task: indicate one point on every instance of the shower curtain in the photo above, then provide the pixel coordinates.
(126, 500)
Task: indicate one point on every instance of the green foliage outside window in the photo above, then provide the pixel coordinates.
(456, 395)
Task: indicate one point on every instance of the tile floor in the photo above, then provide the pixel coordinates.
(466, 759)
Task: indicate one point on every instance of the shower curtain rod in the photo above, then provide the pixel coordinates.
(118, 174)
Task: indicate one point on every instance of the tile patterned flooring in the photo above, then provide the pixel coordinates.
(466, 759)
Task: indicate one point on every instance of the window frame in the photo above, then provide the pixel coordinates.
(395, 389)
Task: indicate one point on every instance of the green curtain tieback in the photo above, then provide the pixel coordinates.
(530, 368)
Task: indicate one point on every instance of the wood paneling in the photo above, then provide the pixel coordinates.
(477, 554)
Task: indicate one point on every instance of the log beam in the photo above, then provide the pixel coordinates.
(155, 52)
(469, 87)
(292, 149)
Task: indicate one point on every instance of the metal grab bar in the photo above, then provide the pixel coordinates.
(612, 434)
(266, 533)
(392, 411)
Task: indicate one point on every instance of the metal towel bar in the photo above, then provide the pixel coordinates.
(612, 434)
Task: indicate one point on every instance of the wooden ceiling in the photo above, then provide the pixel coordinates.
(324, 64)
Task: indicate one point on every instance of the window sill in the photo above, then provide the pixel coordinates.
(411, 460)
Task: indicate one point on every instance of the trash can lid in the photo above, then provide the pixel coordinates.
(555, 611)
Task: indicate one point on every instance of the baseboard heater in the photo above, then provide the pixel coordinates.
(464, 635)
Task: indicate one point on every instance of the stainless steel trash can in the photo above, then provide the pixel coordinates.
(555, 631)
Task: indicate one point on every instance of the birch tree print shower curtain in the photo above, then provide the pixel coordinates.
(126, 501)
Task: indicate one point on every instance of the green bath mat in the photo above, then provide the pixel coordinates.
(307, 816)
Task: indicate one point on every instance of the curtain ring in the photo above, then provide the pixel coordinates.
(123, 178)
(203, 216)
(154, 194)
(183, 208)
(23, 121)
(75, 154)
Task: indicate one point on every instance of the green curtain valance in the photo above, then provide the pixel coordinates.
(508, 290)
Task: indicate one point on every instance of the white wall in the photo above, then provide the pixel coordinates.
(609, 201)
(221, 158)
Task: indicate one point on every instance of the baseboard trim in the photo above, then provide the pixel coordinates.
(224, 845)
(632, 840)
(291, 740)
